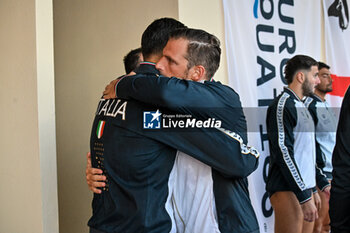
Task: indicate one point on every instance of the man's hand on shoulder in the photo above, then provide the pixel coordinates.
(109, 92)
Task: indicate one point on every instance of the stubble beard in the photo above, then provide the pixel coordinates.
(306, 88)
(325, 90)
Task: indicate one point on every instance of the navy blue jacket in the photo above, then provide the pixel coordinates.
(232, 162)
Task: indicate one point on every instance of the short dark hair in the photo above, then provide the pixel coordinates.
(156, 35)
(203, 49)
(322, 65)
(132, 60)
(297, 63)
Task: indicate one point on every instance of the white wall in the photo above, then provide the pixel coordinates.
(28, 188)
(46, 114)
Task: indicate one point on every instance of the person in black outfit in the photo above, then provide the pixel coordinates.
(339, 203)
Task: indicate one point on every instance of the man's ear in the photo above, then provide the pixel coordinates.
(300, 76)
(197, 73)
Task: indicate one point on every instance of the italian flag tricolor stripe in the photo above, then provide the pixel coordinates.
(100, 127)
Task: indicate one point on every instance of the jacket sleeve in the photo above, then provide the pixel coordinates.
(166, 92)
(280, 121)
(311, 105)
(201, 100)
(320, 161)
(321, 179)
(218, 148)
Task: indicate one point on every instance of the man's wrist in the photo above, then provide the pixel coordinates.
(304, 196)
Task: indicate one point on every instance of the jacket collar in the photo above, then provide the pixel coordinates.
(316, 97)
(292, 93)
(147, 68)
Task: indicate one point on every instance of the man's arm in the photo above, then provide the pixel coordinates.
(241, 163)
(217, 149)
(201, 100)
(310, 103)
(168, 92)
(321, 179)
(221, 149)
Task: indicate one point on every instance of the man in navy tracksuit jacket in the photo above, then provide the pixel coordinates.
(137, 168)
